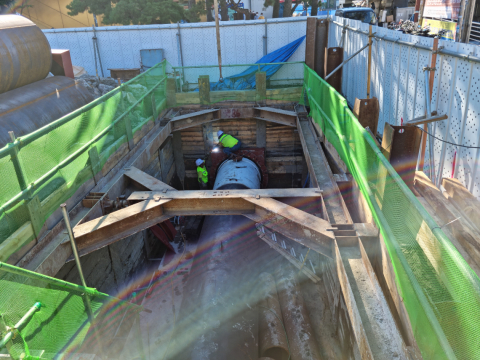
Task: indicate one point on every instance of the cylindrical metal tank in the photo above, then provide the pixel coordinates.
(25, 54)
(243, 174)
(33, 106)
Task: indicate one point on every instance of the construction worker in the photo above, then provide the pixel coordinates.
(228, 143)
(202, 174)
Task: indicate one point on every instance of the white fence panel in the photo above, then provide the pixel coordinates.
(242, 42)
(398, 81)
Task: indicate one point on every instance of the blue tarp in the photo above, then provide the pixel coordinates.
(246, 79)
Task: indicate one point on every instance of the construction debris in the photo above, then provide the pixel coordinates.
(97, 86)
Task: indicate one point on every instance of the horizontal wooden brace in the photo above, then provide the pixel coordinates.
(228, 194)
(201, 117)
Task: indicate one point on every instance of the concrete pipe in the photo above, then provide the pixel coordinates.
(25, 54)
(299, 331)
(33, 106)
(272, 338)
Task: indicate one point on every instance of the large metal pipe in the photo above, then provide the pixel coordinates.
(243, 174)
(33, 106)
(297, 322)
(272, 335)
(25, 53)
(218, 318)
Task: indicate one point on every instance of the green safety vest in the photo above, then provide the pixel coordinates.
(228, 141)
(202, 174)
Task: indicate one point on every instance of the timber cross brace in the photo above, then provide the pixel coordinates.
(152, 207)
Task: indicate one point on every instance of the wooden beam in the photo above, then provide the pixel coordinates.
(298, 225)
(146, 180)
(193, 119)
(106, 230)
(321, 174)
(201, 117)
(295, 224)
(14, 242)
(224, 194)
(204, 89)
(261, 86)
(463, 200)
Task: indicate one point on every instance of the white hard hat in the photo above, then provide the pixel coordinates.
(219, 133)
(199, 162)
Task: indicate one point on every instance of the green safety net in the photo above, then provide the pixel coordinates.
(59, 324)
(41, 170)
(440, 291)
(285, 84)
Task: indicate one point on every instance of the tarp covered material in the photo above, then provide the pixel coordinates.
(246, 79)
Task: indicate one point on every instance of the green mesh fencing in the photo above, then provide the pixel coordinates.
(284, 85)
(45, 318)
(440, 291)
(41, 170)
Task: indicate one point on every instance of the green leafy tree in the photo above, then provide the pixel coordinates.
(137, 12)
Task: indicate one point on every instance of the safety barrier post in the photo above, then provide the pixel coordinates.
(370, 37)
(204, 89)
(261, 85)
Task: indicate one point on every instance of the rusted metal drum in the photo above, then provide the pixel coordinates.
(33, 106)
(272, 338)
(25, 54)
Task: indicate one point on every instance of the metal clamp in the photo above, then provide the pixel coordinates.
(428, 68)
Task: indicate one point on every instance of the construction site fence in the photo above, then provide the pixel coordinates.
(290, 74)
(192, 44)
(41, 170)
(45, 318)
(440, 291)
(398, 81)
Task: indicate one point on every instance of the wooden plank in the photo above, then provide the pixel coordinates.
(261, 85)
(14, 242)
(463, 200)
(204, 89)
(106, 230)
(222, 194)
(463, 233)
(147, 181)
